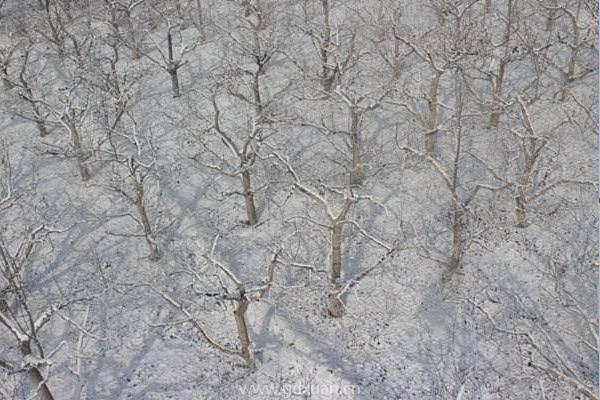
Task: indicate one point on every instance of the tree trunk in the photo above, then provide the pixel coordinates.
(335, 307)
(56, 38)
(258, 107)
(499, 81)
(522, 193)
(530, 155)
(39, 121)
(432, 105)
(148, 234)
(397, 61)
(249, 198)
(550, 21)
(174, 81)
(35, 376)
(487, 6)
(327, 75)
(457, 239)
(568, 76)
(242, 328)
(200, 23)
(4, 74)
(521, 209)
(172, 66)
(356, 174)
(135, 47)
(336, 252)
(79, 153)
(41, 127)
(146, 226)
(497, 94)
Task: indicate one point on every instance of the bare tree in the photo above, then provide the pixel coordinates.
(450, 44)
(52, 28)
(169, 62)
(22, 82)
(387, 44)
(508, 54)
(429, 121)
(24, 89)
(576, 41)
(244, 155)
(341, 133)
(134, 169)
(247, 104)
(7, 193)
(334, 42)
(347, 107)
(71, 112)
(124, 21)
(22, 317)
(20, 320)
(461, 195)
(242, 295)
(28, 306)
(65, 30)
(336, 219)
(356, 113)
(531, 185)
(324, 42)
(7, 55)
(113, 84)
(549, 353)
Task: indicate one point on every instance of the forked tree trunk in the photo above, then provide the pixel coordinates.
(242, 328)
(249, 198)
(35, 376)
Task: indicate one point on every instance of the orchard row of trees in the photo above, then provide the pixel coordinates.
(306, 116)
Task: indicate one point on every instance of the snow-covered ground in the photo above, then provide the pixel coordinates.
(516, 320)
